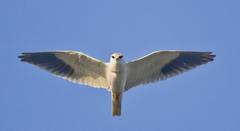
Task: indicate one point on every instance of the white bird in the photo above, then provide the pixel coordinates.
(117, 76)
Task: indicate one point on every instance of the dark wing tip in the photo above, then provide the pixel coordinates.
(209, 56)
(25, 57)
(22, 57)
(47, 61)
(187, 61)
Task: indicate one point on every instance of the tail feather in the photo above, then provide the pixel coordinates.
(116, 103)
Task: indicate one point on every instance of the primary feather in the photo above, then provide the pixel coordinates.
(71, 65)
(162, 65)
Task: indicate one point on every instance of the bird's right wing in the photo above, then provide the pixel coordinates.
(71, 65)
(163, 64)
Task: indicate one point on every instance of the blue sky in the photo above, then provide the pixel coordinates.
(204, 99)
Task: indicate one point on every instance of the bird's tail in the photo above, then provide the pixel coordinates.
(116, 103)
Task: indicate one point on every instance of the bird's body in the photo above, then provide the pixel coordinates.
(117, 76)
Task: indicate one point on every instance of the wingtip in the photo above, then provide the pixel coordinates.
(209, 55)
(23, 56)
(212, 56)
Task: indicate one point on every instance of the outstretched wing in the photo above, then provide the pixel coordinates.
(162, 65)
(71, 65)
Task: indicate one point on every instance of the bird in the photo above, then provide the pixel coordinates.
(117, 76)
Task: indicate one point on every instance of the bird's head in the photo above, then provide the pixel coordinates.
(116, 57)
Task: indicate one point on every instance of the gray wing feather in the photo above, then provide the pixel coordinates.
(71, 65)
(162, 65)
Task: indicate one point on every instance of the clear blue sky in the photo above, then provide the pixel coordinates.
(203, 99)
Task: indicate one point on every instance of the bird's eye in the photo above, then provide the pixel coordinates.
(121, 57)
(113, 57)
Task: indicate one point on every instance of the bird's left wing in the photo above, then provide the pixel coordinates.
(163, 64)
(71, 65)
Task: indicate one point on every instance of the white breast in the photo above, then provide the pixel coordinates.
(117, 76)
